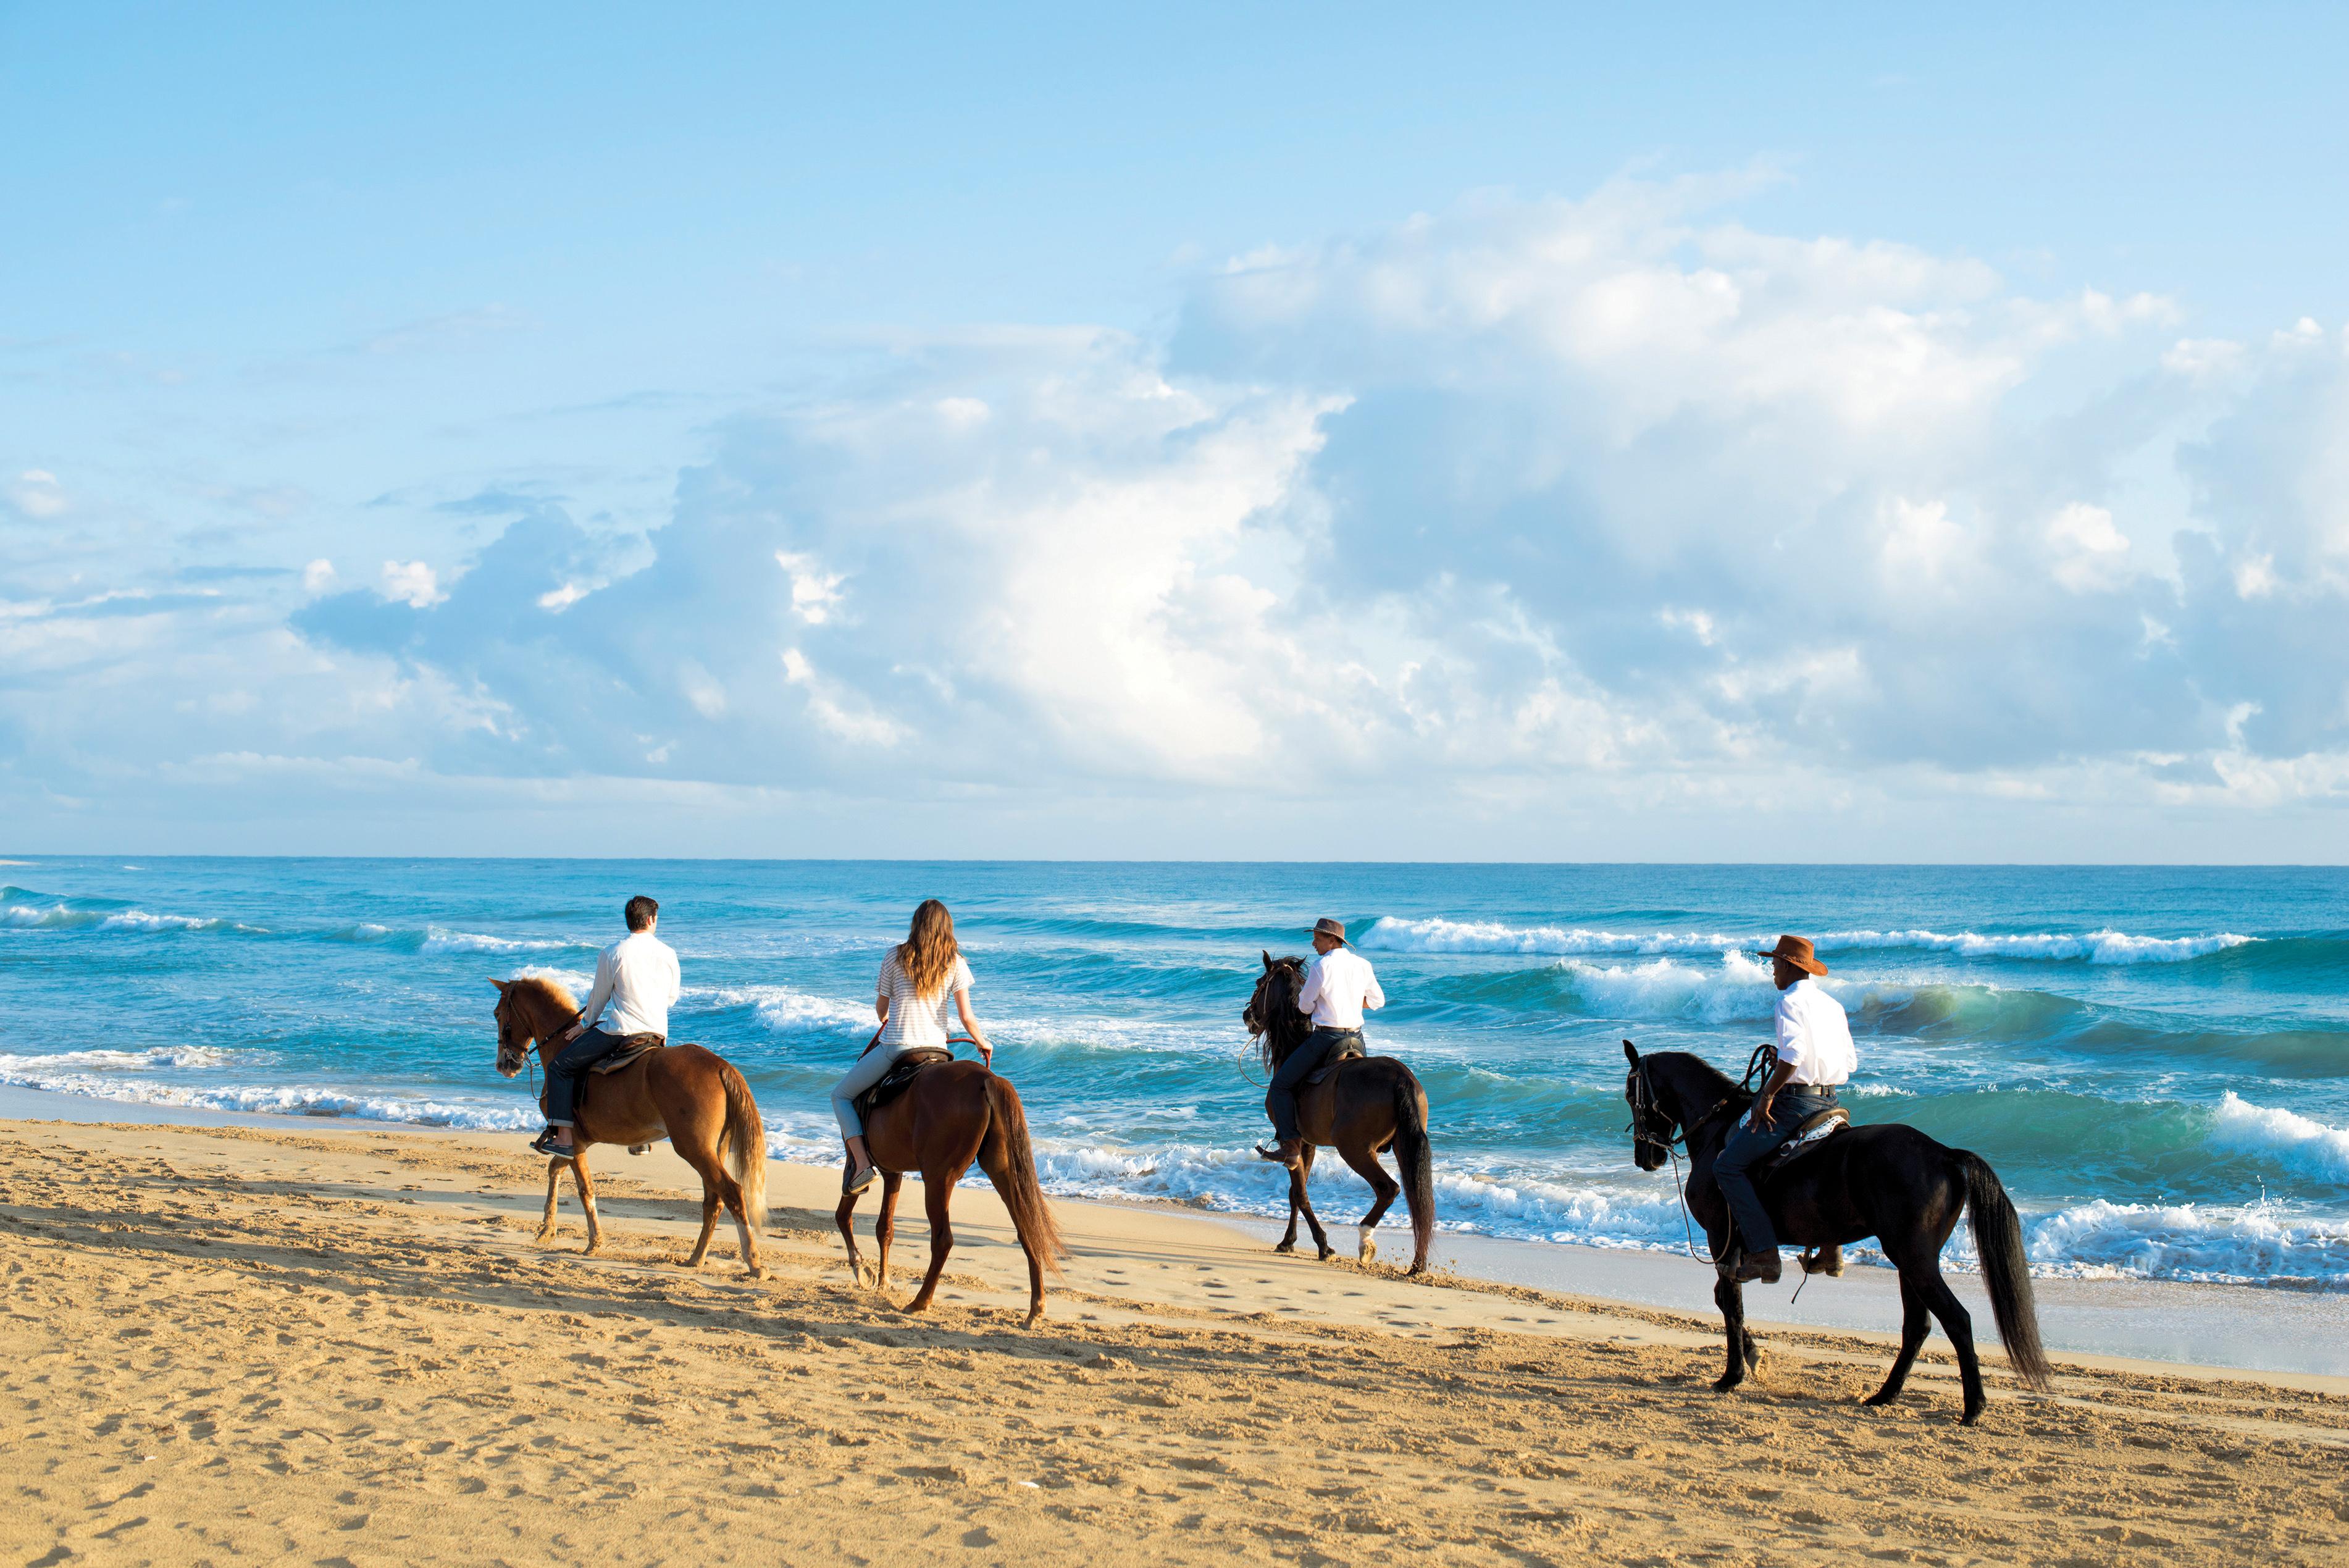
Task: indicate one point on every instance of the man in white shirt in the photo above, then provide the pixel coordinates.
(1339, 985)
(636, 982)
(1815, 1054)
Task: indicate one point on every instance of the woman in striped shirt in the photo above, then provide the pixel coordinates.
(917, 977)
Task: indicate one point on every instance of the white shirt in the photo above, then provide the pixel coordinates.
(1814, 1034)
(917, 1019)
(636, 982)
(1337, 987)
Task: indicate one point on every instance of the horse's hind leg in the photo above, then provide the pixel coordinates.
(708, 1225)
(1913, 1329)
(937, 1190)
(1959, 1325)
(1744, 1353)
(1384, 1190)
(885, 1228)
(554, 1182)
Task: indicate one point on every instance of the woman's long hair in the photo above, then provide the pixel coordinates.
(928, 952)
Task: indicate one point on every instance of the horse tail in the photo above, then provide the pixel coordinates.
(744, 1146)
(1998, 1237)
(1415, 1161)
(1013, 1171)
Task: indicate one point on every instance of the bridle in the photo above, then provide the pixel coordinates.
(513, 1058)
(1645, 1110)
(1259, 1026)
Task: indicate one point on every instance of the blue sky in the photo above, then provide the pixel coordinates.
(1340, 431)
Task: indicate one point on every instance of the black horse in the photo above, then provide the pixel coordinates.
(1362, 1105)
(1884, 1180)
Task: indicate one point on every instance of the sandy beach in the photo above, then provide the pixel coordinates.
(344, 1346)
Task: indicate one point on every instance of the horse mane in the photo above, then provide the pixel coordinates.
(1285, 1028)
(553, 992)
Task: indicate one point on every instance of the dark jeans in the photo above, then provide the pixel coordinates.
(1795, 1104)
(1280, 1096)
(570, 1065)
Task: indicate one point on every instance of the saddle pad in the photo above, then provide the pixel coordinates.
(893, 1083)
(1332, 1065)
(1814, 1132)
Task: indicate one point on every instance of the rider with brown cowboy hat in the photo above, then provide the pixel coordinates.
(1339, 986)
(1815, 1054)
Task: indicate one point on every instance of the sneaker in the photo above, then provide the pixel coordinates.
(544, 1144)
(857, 1179)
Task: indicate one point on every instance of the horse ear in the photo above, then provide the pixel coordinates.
(1630, 1053)
(499, 983)
(1267, 962)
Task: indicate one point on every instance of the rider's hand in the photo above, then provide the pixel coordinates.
(986, 1052)
(575, 1031)
(1760, 1120)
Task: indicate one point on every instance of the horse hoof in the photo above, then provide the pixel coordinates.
(1328, 1253)
(1970, 1419)
(1879, 1400)
(1368, 1251)
(1726, 1385)
(1285, 1247)
(1415, 1271)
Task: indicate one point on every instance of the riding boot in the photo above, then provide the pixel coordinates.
(1289, 1151)
(1740, 1267)
(1826, 1260)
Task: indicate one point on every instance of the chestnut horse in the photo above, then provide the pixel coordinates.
(1365, 1104)
(950, 1115)
(683, 1093)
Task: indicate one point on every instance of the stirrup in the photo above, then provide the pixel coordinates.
(852, 1185)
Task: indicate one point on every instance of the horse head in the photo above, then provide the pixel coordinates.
(1272, 1013)
(1651, 1125)
(528, 1010)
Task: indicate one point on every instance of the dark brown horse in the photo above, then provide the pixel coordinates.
(683, 1093)
(947, 1116)
(1884, 1180)
(1366, 1105)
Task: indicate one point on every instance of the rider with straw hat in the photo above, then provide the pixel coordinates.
(1815, 1054)
(1339, 986)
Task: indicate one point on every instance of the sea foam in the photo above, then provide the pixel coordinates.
(1394, 933)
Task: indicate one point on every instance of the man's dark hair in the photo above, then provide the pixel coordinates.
(641, 911)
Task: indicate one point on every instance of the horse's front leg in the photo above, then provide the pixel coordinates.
(885, 1227)
(938, 1189)
(1744, 1354)
(845, 1217)
(1297, 1201)
(586, 1185)
(554, 1180)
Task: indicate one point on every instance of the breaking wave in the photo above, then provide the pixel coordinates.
(1394, 933)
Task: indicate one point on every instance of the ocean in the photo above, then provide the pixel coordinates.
(2156, 1060)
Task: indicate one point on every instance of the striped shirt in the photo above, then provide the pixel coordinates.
(917, 1019)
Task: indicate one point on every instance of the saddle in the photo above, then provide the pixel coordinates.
(1814, 1132)
(632, 1046)
(902, 1072)
(1338, 1058)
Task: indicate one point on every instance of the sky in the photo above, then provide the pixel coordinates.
(1313, 432)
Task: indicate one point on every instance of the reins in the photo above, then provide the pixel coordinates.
(1643, 1108)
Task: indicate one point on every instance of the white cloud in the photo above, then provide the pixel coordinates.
(36, 494)
(412, 583)
(2091, 555)
(1598, 505)
(319, 575)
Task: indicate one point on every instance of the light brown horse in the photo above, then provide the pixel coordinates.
(947, 1116)
(1366, 1105)
(691, 1096)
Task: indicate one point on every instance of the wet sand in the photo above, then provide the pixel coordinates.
(343, 1344)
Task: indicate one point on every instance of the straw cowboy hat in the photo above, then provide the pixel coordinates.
(1796, 950)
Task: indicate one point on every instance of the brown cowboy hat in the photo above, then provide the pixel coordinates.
(1334, 929)
(1796, 950)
